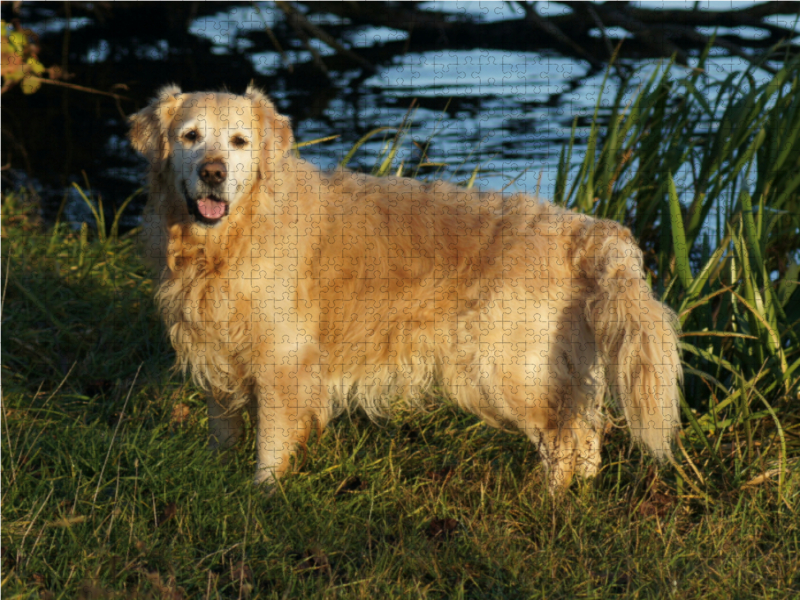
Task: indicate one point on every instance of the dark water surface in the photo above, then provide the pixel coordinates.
(507, 114)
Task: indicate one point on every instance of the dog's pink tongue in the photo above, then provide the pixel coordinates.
(210, 208)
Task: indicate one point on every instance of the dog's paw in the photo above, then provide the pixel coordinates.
(266, 480)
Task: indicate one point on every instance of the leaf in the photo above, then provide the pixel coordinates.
(679, 237)
(365, 138)
(18, 40)
(30, 84)
(702, 277)
(35, 66)
(299, 145)
(789, 283)
(13, 71)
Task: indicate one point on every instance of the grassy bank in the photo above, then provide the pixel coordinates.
(108, 490)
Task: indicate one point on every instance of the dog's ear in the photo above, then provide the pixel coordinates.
(149, 126)
(275, 130)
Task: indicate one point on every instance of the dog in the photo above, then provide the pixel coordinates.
(296, 293)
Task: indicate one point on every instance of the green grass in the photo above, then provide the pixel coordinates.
(108, 490)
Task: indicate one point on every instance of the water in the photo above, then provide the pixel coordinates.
(506, 114)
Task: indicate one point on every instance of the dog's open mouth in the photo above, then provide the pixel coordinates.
(208, 209)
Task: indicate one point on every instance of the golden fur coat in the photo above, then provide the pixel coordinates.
(318, 290)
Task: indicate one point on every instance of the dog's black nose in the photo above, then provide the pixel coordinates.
(213, 172)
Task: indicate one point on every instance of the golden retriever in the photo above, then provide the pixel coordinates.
(296, 293)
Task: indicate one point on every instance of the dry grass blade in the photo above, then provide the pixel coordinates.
(114, 437)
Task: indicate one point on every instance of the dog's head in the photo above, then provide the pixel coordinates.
(212, 147)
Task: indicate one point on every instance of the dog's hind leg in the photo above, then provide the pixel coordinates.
(569, 445)
(562, 415)
(544, 412)
(588, 441)
(557, 448)
(589, 422)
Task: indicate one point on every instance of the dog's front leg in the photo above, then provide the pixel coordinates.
(286, 415)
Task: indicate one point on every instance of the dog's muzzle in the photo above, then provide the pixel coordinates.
(208, 209)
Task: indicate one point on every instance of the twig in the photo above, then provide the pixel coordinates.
(649, 37)
(553, 30)
(8, 438)
(729, 46)
(60, 385)
(133, 510)
(2, 403)
(46, 402)
(244, 546)
(294, 20)
(5, 285)
(596, 18)
(324, 36)
(513, 181)
(30, 525)
(611, 53)
(274, 39)
(223, 551)
(77, 490)
(114, 511)
(116, 429)
(80, 88)
(759, 479)
(685, 477)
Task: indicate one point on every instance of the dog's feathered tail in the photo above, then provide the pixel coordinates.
(634, 333)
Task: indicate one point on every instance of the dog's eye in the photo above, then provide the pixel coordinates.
(238, 141)
(190, 136)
